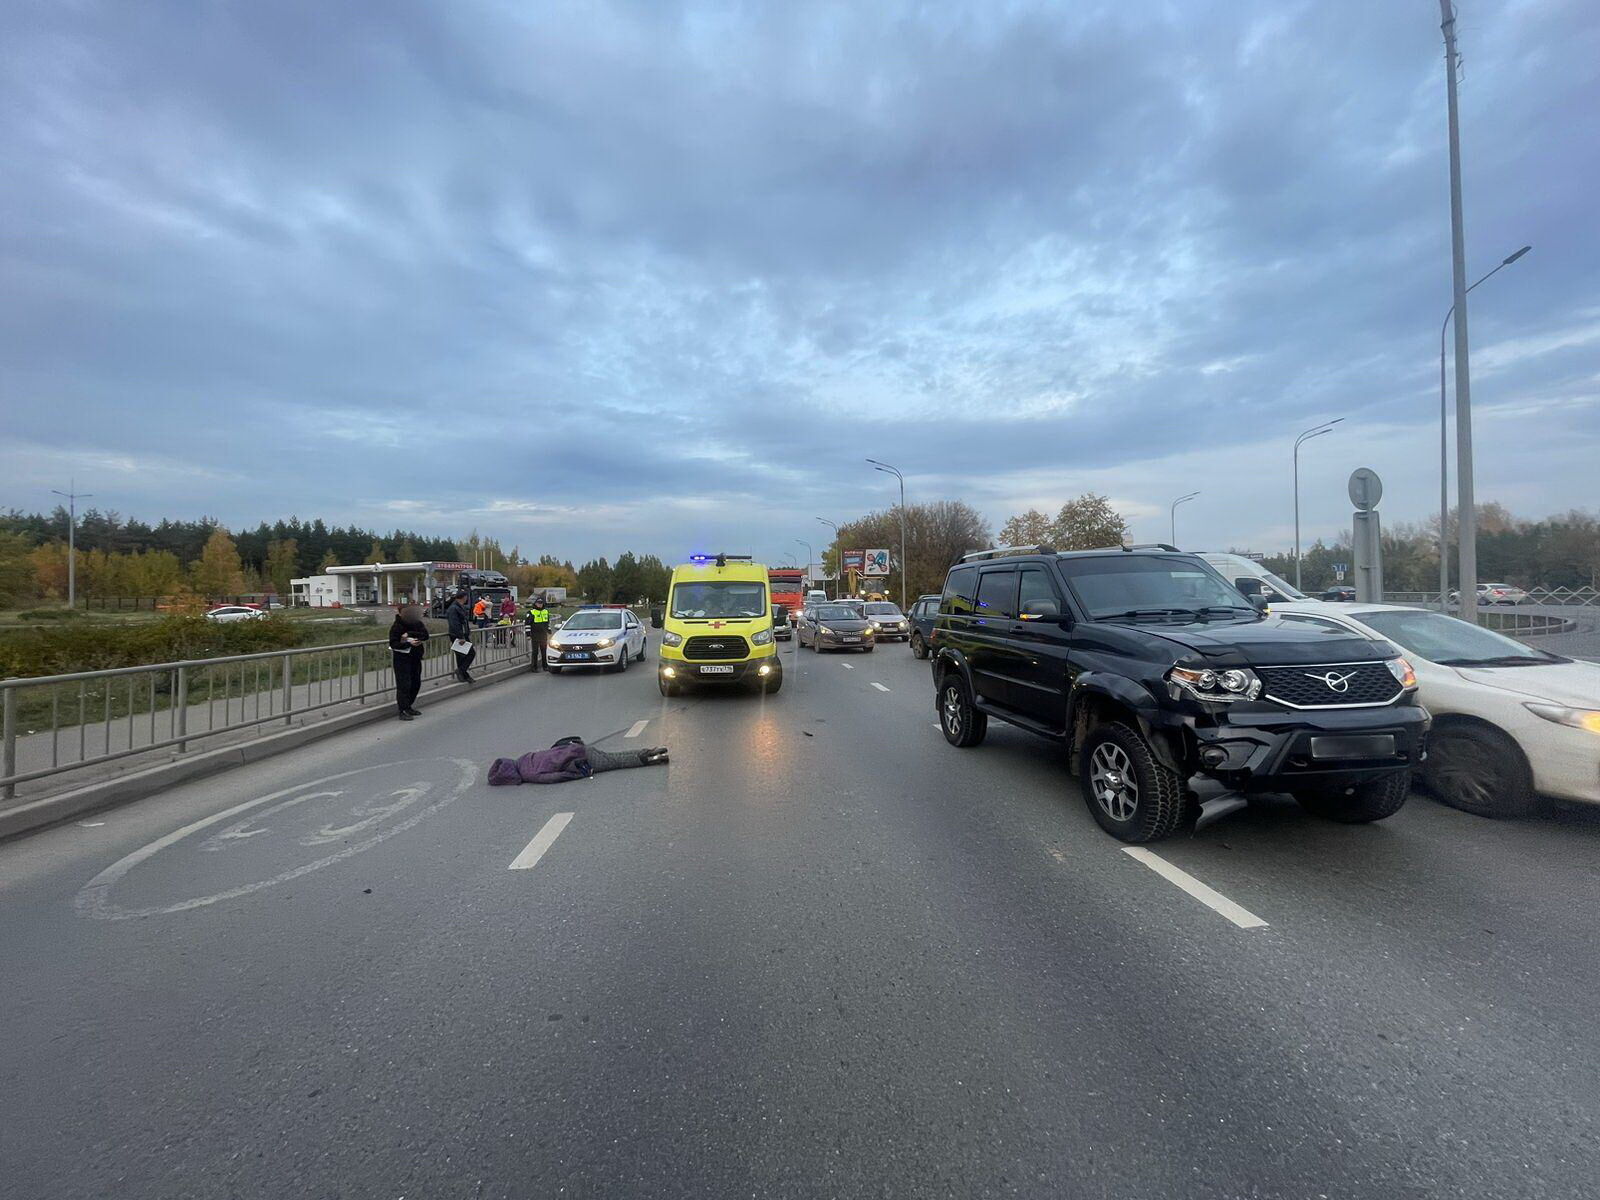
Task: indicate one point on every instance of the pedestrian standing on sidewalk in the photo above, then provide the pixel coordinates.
(538, 622)
(407, 637)
(459, 617)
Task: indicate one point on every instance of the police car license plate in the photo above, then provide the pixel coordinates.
(716, 670)
(576, 655)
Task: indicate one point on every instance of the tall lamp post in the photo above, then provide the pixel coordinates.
(1314, 431)
(72, 498)
(840, 553)
(1175, 503)
(888, 470)
(1444, 444)
(810, 558)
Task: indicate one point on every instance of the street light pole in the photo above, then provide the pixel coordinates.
(1314, 431)
(1466, 505)
(810, 558)
(1175, 503)
(888, 470)
(837, 551)
(72, 497)
(1444, 452)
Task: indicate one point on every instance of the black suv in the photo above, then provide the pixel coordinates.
(1153, 669)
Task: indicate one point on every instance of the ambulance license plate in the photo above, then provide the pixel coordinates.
(716, 670)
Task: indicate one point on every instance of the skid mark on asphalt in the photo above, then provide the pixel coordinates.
(542, 841)
(1214, 900)
(879, 686)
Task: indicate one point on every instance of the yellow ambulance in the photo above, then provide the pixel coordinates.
(717, 626)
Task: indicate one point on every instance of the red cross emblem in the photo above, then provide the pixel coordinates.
(716, 624)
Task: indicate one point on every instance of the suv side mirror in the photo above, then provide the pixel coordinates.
(1036, 609)
(1249, 586)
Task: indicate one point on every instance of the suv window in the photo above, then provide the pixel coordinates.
(1113, 584)
(960, 590)
(1036, 596)
(997, 594)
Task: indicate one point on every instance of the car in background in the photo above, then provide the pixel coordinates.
(1510, 722)
(922, 614)
(1251, 578)
(834, 626)
(1340, 593)
(602, 635)
(889, 624)
(1496, 593)
(860, 606)
(782, 627)
(225, 614)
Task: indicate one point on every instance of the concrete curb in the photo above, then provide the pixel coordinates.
(136, 785)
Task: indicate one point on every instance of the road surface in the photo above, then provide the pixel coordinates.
(821, 954)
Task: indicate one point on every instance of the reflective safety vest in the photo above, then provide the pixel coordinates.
(538, 616)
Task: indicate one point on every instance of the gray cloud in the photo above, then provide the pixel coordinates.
(405, 266)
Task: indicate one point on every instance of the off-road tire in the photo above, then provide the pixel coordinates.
(962, 723)
(1479, 770)
(1155, 807)
(1367, 802)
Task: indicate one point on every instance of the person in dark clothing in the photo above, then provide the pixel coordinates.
(407, 637)
(538, 622)
(460, 618)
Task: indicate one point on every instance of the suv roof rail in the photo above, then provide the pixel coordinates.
(1153, 546)
(1003, 551)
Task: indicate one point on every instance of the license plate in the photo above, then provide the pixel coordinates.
(576, 656)
(850, 639)
(1372, 745)
(716, 670)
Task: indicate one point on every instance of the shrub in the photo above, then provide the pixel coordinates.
(31, 652)
(50, 614)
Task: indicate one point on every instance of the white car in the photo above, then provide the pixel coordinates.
(225, 613)
(1495, 593)
(1509, 721)
(1236, 567)
(888, 622)
(603, 635)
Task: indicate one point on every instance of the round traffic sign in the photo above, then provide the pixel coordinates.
(1366, 489)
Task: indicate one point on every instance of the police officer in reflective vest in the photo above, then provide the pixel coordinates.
(538, 623)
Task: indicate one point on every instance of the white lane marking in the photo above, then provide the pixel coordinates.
(879, 686)
(90, 824)
(847, 666)
(1214, 900)
(543, 840)
(93, 899)
(636, 728)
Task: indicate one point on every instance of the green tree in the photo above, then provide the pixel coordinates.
(1087, 523)
(627, 580)
(218, 572)
(594, 581)
(330, 559)
(16, 570)
(280, 566)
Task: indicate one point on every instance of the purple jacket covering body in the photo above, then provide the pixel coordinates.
(559, 764)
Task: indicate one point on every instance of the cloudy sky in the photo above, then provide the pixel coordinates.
(596, 276)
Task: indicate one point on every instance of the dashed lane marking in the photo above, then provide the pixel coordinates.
(636, 728)
(847, 666)
(1214, 900)
(879, 686)
(542, 841)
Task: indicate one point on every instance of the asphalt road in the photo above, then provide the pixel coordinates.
(821, 954)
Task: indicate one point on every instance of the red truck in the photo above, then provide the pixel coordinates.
(787, 585)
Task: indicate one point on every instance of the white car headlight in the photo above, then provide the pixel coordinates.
(762, 637)
(1577, 718)
(605, 643)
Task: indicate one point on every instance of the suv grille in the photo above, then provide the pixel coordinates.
(728, 646)
(1335, 685)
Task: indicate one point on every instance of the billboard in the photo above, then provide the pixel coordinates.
(877, 562)
(852, 559)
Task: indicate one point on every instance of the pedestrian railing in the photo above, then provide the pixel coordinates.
(52, 724)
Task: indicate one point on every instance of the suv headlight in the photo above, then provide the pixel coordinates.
(762, 637)
(1225, 686)
(668, 638)
(1402, 670)
(1578, 718)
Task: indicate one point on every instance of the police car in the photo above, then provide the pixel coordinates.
(597, 635)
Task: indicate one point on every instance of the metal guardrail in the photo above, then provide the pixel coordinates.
(1513, 619)
(52, 724)
(1586, 597)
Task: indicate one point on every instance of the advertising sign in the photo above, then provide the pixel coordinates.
(877, 562)
(852, 559)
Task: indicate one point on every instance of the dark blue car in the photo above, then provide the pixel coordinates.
(922, 614)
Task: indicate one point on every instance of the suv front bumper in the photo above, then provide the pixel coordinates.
(1272, 750)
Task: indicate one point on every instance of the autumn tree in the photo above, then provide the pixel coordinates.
(280, 564)
(218, 572)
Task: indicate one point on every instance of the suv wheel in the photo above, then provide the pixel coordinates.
(1366, 802)
(919, 648)
(1130, 793)
(962, 723)
(1480, 771)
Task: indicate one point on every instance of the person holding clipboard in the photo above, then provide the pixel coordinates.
(407, 637)
(460, 618)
